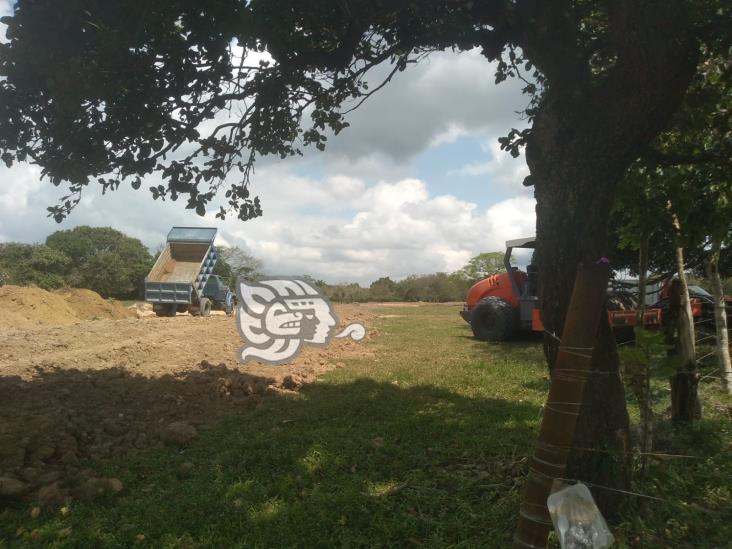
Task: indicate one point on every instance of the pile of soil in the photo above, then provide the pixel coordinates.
(23, 307)
(89, 305)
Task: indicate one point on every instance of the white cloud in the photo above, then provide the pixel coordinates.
(450, 135)
(25, 180)
(221, 241)
(442, 98)
(501, 169)
(397, 229)
(353, 213)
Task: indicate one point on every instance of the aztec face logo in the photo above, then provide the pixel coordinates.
(279, 316)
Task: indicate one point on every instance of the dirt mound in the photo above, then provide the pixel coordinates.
(22, 307)
(89, 305)
(140, 309)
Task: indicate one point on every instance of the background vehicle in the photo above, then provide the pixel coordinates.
(181, 279)
(502, 305)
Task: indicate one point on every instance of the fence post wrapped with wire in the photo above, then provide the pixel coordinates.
(556, 434)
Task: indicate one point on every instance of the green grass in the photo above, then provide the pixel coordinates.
(424, 445)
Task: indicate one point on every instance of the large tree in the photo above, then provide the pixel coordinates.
(234, 263)
(482, 265)
(104, 260)
(107, 92)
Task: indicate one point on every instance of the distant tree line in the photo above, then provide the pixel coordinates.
(435, 288)
(115, 265)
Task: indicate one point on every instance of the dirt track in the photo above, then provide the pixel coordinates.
(103, 388)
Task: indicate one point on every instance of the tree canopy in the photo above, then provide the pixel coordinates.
(482, 265)
(103, 259)
(684, 172)
(129, 89)
(234, 263)
(29, 264)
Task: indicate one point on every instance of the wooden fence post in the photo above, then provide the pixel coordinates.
(563, 405)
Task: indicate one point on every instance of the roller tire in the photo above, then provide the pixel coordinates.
(494, 319)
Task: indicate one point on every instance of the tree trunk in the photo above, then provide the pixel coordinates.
(601, 436)
(584, 137)
(685, 405)
(720, 315)
(643, 384)
(643, 246)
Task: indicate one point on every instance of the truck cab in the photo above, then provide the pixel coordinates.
(219, 293)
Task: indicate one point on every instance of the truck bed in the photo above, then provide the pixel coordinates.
(178, 263)
(176, 274)
(179, 271)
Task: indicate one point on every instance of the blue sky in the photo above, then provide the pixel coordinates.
(417, 184)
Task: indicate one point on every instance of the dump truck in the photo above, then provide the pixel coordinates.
(182, 278)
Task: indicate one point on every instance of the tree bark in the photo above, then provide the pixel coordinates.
(643, 385)
(585, 135)
(643, 246)
(720, 315)
(685, 405)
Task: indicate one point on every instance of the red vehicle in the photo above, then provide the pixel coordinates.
(502, 305)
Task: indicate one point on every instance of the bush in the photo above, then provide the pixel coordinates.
(33, 265)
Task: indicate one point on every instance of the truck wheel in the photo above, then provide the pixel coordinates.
(168, 310)
(494, 319)
(204, 307)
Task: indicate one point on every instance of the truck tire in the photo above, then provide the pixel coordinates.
(204, 307)
(169, 310)
(494, 319)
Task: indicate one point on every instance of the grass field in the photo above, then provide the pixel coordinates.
(424, 446)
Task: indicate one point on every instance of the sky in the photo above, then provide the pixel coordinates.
(417, 184)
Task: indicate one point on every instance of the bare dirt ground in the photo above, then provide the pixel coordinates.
(105, 388)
